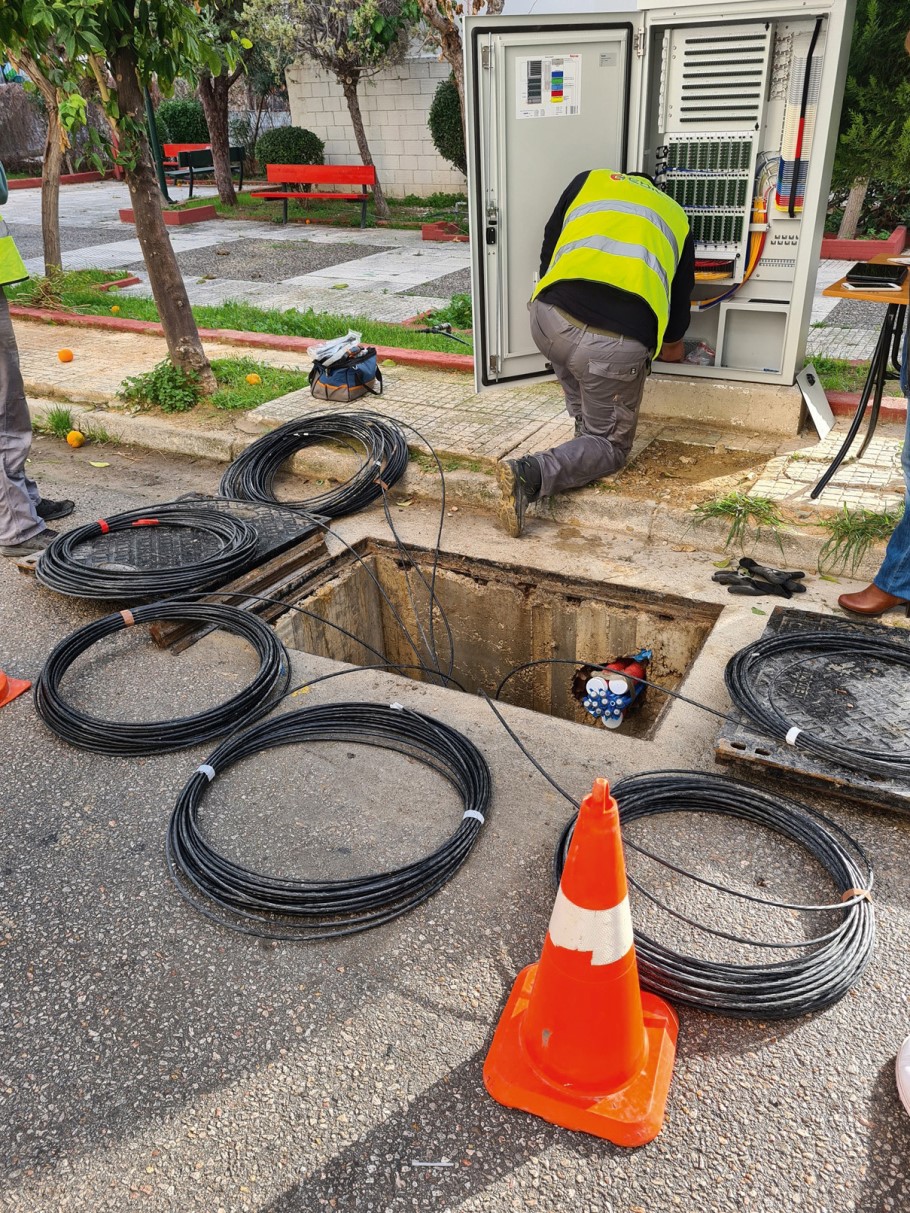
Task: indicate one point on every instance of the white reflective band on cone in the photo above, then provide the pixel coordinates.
(606, 934)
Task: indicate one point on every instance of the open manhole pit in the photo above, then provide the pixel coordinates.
(500, 617)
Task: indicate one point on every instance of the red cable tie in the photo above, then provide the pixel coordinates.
(146, 522)
(128, 618)
(104, 526)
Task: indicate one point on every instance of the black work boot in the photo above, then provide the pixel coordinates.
(49, 510)
(519, 484)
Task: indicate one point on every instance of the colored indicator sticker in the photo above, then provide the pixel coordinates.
(548, 86)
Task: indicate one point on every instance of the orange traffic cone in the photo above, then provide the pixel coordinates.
(579, 1044)
(10, 688)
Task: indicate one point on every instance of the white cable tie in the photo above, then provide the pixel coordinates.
(792, 735)
(206, 770)
(474, 813)
(397, 707)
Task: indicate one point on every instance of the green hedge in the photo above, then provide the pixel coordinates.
(444, 121)
(289, 145)
(182, 122)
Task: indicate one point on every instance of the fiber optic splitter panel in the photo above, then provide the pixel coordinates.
(731, 106)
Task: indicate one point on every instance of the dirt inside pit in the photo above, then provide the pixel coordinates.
(687, 472)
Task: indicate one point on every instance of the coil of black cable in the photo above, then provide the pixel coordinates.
(820, 975)
(743, 679)
(275, 908)
(161, 736)
(385, 456)
(60, 568)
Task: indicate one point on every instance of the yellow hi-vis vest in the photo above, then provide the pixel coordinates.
(625, 232)
(12, 267)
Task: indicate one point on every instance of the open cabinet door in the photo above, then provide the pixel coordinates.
(546, 99)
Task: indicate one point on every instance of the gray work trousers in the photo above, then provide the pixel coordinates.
(603, 379)
(18, 494)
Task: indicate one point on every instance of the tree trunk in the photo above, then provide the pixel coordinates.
(213, 93)
(177, 320)
(448, 34)
(350, 95)
(54, 148)
(50, 191)
(853, 209)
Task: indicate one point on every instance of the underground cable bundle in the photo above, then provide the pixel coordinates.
(251, 476)
(828, 965)
(746, 678)
(160, 736)
(61, 569)
(277, 908)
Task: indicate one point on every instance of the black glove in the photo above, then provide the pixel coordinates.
(790, 581)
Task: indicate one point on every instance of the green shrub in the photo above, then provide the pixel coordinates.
(170, 387)
(458, 313)
(182, 122)
(444, 121)
(289, 145)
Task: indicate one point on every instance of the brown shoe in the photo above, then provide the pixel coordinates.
(871, 601)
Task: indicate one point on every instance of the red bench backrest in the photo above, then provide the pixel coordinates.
(174, 149)
(316, 174)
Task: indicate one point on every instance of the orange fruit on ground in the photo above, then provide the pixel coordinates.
(253, 378)
(116, 308)
(75, 438)
(65, 355)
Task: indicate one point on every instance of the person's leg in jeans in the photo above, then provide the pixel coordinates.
(891, 584)
(894, 575)
(19, 494)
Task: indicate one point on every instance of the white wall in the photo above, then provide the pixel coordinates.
(395, 104)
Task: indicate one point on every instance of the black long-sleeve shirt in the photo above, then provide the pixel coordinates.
(609, 307)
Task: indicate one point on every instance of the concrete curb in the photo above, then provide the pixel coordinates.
(35, 183)
(422, 359)
(844, 404)
(594, 509)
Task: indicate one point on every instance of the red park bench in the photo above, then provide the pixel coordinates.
(288, 175)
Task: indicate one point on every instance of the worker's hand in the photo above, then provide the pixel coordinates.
(671, 351)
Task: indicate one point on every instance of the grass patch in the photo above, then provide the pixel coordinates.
(235, 393)
(57, 421)
(408, 212)
(839, 375)
(850, 535)
(53, 290)
(451, 463)
(77, 294)
(174, 390)
(747, 517)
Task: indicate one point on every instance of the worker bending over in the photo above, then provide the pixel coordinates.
(617, 270)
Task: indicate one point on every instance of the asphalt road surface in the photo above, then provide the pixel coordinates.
(154, 1060)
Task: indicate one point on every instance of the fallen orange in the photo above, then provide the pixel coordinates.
(253, 378)
(75, 438)
(65, 355)
(116, 308)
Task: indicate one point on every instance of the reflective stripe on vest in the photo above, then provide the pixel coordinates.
(12, 267)
(623, 232)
